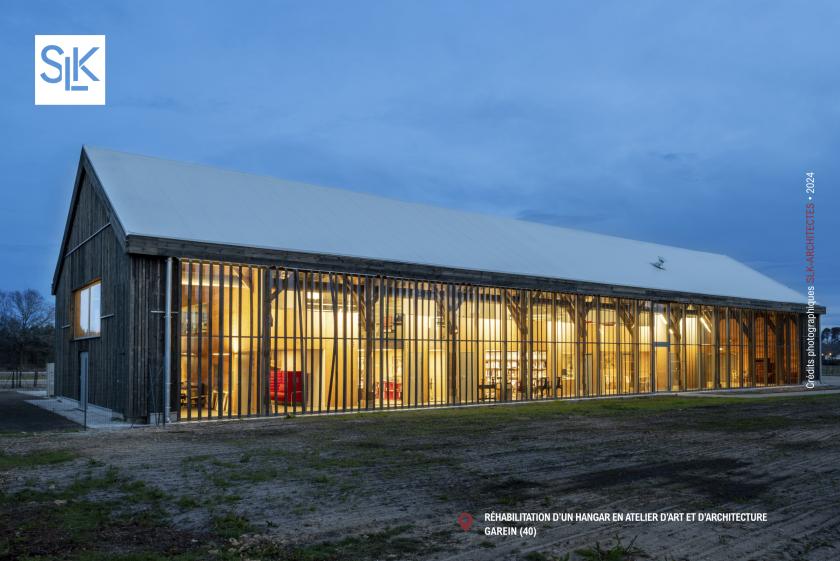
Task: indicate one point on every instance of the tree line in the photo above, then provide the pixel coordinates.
(830, 335)
(831, 345)
(27, 330)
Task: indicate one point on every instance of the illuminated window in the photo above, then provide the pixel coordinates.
(86, 313)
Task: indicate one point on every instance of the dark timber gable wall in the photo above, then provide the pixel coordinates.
(147, 297)
(92, 252)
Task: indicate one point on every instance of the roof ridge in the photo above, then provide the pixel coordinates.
(376, 196)
(160, 198)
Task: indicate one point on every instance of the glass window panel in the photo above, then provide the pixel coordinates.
(86, 311)
(589, 373)
(676, 332)
(661, 346)
(95, 312)
(607, 336)
(357, 342)
(645, 346)
(772, 325)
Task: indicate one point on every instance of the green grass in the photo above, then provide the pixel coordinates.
(536, 410)
(618, 552)
(98, 505)
(538, 556)
(475, 420)
(138, 556)
(391, 543)
(187, 502)
(84, 520)
(197, 459)
(327, 463)
(754, 423)
(138, 491)
(238, 474)
(80, 519)
(102, 516)
(82, 486)
(230, 525)
(34, 459)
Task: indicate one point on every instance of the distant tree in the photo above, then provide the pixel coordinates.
(835, 334)
(825, 336)
(26, 329)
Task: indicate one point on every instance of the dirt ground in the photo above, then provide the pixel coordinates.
(390, 486)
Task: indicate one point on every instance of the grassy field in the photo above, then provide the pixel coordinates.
(25, 380)
(390, 485)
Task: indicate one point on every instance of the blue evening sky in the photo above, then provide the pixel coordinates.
(687, 123)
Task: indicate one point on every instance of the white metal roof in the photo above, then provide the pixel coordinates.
(168, 199)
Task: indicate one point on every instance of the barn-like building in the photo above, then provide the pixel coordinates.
(225, 294)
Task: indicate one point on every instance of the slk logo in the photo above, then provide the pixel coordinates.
(69, 70)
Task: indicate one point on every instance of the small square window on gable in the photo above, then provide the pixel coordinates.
(86, 311)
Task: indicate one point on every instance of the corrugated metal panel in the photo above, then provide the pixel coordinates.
(167, 199)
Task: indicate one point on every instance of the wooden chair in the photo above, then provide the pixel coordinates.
(540, 387)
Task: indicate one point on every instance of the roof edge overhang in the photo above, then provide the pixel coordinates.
(168, 247)
(85, 170)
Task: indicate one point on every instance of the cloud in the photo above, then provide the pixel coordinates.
(684, 128)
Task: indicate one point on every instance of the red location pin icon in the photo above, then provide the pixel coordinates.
(465, 521)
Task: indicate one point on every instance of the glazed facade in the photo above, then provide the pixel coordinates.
(257, 340)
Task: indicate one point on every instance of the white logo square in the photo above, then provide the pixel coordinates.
(69, 70)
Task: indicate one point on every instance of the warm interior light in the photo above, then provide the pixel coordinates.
(230, 278)
(705, 324)
(662, 319)
(313, 295)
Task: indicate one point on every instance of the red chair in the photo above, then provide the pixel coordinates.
(393, 391)
(285, 386)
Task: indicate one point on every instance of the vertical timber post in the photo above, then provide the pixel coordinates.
(167, 341)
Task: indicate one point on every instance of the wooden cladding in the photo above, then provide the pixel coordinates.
(96, 256)
(256, 340)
